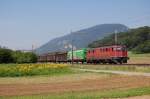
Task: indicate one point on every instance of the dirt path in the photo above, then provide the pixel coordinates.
(102, 83)
(117, 72)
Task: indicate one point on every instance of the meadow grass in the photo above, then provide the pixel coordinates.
(115, 67)
(139, 58)
(131, 54)
(114, 93)
(15, 70)
(76, 76)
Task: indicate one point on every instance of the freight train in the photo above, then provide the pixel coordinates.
(108, 54)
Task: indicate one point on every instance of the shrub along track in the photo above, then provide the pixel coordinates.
(85, 84)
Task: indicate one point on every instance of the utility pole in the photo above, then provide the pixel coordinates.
(116, 42)
(72, 53)
(116, 37)
(32, 48)
(72, 49)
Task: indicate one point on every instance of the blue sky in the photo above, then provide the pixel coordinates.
(27, 22)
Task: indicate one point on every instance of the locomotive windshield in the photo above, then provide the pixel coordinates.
(124, 49)
(120, 49)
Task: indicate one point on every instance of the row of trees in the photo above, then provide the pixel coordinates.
(136, 40)
(10, 56)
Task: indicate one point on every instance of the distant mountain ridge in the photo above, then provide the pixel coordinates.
(80, 38)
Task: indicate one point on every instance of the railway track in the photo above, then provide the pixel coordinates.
(120, 64)
(136, 64)
(103, 64)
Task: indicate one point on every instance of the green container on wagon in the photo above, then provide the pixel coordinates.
(78, 55)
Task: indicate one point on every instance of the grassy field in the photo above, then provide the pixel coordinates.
(76, 76)
(62, 81)
(115, 67)
(139, 58)
(13, 70)
(89, 94)
(79, 85)
(138, 55)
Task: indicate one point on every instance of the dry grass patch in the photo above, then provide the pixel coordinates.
(139, 58)
(52, 79)
(76, 83)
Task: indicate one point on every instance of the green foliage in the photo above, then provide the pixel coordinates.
(136, 40)
(5, 55)
(24, 57)
(142, 48)
(9, 56)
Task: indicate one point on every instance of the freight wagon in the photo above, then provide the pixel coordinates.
(42, 58)
(78, 55)
(61, 56)
(53, 57)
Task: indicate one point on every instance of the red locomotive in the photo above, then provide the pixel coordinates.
(107, 54)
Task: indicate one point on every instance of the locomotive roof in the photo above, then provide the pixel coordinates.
(52, 53)
(109, 46)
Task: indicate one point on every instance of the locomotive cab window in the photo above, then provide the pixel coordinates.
(114, 49)
(118, 48)
(124, 49)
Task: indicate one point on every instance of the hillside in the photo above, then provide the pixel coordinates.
(136, 40)
(80, 38)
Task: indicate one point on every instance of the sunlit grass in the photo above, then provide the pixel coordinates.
(139, 58)
(131, 54)
(115, 67)
(33, 69)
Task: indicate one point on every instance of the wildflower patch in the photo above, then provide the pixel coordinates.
(33, 69)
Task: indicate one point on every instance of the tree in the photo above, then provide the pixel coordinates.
(24, 57)
(5, 55)
(142, 48)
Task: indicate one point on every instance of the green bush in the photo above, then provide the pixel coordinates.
(142, 48)
(5, 55)
(10, 56)
(24, 57)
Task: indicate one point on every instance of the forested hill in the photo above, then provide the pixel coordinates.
(136, 40)
(80, 38)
